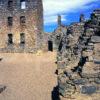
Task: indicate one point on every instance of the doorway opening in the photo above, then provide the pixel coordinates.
(50, 46)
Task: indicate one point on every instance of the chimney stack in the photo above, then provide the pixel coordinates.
(82, 19)
(59, 20)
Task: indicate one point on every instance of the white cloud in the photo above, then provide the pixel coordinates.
(54, 7)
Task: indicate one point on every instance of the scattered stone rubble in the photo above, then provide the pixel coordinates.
(2, 88)
(1, 59)
(78, 56)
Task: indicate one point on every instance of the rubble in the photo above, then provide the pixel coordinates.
(1, 59)
(95, 39)
(78, 56)
(2, 88)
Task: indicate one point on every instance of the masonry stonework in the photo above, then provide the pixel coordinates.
(21, 17)
(78, 58)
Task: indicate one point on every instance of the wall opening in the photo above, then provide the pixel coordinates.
(50, 46)
(10, 4)
(22, 39)
(10, 39)
(23, 4)
(10, 21)
(97, 32)
(22, 20)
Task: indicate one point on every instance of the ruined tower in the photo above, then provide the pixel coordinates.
(82, 19)
(21, 25)
(59, 20)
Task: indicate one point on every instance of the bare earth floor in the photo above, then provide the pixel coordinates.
(28, 76)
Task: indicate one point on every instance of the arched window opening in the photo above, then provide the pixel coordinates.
(22, 20)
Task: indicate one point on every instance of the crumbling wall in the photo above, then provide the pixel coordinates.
(78, 59)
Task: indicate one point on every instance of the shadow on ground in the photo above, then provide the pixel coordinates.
(55, 93)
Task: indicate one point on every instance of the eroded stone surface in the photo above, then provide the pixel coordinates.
(78, 58)
(24, 26)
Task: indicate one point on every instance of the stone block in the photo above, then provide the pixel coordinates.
(88, 90)
(80, 81)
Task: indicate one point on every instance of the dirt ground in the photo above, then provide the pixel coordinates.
(79, 96)
(28, 76)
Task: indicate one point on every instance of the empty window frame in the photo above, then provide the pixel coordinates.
(23, 4)
(10, 21)
(22, 38)
(10, 4)
(10, 39)
(22, 20)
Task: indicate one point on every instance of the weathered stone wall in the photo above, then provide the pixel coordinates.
(78, 59)
(32, 28)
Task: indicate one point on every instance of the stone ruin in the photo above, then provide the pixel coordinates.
(78, 56)
(21, 26)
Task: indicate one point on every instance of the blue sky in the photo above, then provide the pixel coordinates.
(70, 11)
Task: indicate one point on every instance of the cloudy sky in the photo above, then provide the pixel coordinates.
(68, 9)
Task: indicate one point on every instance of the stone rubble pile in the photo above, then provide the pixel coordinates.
(78, 57)
(2, 88)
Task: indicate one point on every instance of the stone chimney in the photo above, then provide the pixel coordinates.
(82, 19)
(59, 20)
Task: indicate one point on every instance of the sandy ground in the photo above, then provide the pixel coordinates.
(28, 76)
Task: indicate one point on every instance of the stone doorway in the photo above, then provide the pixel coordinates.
(50, 46)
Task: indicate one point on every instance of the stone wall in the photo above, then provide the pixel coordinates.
(32, 28)
(78, 58)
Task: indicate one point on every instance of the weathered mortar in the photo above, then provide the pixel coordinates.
(33, 26)
(78, 58)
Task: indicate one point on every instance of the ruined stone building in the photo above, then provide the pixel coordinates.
(78, 57)
(21, 25)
